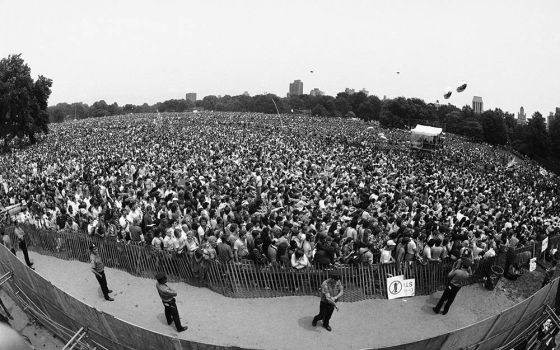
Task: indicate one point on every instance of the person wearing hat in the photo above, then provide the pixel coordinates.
(331, 291)
(386, 253)
(458, 277)
(167, 296)
(98, 270)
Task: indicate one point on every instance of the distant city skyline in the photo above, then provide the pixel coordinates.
(146, 52)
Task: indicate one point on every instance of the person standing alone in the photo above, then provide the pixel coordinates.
(22, 244)
(98, 270)
(167, 296)
(331, 291)
(458, 278)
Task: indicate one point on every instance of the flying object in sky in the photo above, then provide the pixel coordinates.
(447, 95)
(462, 87)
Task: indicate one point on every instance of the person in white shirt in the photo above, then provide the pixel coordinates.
(386, 256)
(299, 260)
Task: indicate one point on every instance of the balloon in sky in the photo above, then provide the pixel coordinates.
(311, 72)
(447, 94)
(398, 72)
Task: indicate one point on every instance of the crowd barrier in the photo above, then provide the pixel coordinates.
(105, 331)
(67, 314)
(247, 279)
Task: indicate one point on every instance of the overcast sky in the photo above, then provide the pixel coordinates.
(149, 51)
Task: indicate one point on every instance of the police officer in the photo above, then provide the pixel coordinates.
(458, 277)
(167, 296)
(331, 291)
(98, 270)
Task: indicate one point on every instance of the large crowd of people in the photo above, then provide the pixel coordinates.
(287, 190)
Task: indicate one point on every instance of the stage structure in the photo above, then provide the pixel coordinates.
(426, 138)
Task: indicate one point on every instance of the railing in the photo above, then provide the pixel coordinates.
(247, 279)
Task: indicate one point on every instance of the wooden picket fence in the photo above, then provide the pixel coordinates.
(247, 279)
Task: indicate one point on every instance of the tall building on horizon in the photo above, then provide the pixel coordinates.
(316, 92)
(551, 116)
(477, 105)
(296, 88)
(191, 96)
(521, 116)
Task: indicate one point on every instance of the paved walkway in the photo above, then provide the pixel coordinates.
(271, 323)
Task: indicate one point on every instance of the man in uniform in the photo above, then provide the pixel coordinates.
(167, 296)
(98, 270)
(458, 277)
(331, 291)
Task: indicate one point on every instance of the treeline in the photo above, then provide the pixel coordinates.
(493, 126)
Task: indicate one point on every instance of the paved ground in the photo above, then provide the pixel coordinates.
(274, 323)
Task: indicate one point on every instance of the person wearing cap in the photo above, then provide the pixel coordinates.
(167, 296)
(458, 277)
(331, 291)
(386, 252)
(98, 269)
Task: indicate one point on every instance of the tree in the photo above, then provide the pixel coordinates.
(23, 102)
(537, 135)
(209, 102)
(494, 127)
(554, 132)
(319, 110)
(99, 109)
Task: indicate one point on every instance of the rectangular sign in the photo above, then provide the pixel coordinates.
(532, 264)
(398, 287)
(544, 244)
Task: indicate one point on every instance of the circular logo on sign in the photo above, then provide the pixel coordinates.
(395, 287)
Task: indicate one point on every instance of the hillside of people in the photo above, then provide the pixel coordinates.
(288, 190)
(533, 138)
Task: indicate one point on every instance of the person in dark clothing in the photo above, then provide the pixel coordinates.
(167, 296)
(331, 291)
(458, 277)
(22, 244)
(98, 270)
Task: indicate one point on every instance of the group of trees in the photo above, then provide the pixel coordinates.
(24, 113)
(23, 101)
(78, 110)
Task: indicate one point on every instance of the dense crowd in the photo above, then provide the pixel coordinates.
(282, 190)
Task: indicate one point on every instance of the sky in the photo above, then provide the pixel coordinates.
(508, 52)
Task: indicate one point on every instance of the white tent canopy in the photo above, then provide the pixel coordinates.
(425, 130)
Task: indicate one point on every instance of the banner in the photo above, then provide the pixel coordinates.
(398, 287)
(532, 264)
(544, 244)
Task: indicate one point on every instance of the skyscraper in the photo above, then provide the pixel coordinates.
(549, 120)
(477, 104)
(521, 116)
(296, 88)
(191, 96)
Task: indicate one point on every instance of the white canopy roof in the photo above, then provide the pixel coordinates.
(426, 130)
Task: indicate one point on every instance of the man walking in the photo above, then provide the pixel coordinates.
(331, 291)
(98, 270)
(22, 244)
(167, 296)
(458, 277)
